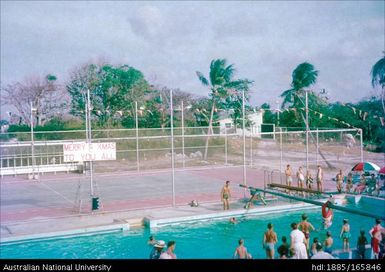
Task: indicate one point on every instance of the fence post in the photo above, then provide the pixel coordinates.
(225, 145)
(316, 153)
(172, 148)
(361, 145)
(137, 136)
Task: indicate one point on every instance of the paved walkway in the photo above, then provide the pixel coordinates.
(30, 207)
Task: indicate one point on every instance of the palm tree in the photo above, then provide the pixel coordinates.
(220, 77)
(378, 78)
(303, 76)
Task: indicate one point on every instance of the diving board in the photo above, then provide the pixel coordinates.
(276, 185)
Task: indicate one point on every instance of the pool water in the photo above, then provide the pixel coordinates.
(200, 240)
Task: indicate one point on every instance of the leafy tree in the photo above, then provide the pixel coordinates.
(268, 115)
(113, 91)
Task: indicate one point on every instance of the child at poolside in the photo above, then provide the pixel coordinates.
(313, 249)
(328, 242)
(309, 180)
(345, 234)
(241, 251)
(361, 243)
(283, 250)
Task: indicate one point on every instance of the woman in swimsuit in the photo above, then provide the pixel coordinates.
(345, 234)
(225, 196)
(269, 240)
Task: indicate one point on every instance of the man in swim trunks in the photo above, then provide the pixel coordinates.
(305, 227)
(288, 173)
(269, 240)
(225, 195)
(340, 180)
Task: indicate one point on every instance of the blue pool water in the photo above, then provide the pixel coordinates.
(207, 240)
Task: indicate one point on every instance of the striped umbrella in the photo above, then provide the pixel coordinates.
(382, 171)
(366, 166)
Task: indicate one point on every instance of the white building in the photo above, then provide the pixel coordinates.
(226, 125)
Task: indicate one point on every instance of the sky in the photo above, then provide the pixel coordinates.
(170, 40)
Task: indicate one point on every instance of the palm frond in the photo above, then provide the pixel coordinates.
(202, 78)
(378, 73)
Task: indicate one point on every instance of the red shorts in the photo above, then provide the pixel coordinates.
(376, 245)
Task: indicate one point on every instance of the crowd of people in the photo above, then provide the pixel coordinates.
(369, 185)
(300, 245)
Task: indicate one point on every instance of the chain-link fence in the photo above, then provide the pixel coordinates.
(141, 176)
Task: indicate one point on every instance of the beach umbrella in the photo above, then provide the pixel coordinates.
(366, 166)
(382, 171)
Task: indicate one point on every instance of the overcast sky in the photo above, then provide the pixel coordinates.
(170, 41)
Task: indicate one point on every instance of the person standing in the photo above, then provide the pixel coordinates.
(225, 195)
(328, 242)
(298, 243)
(269, 240)
(361, 245)
(349, 183)
(345, 234)
(306, 227)
(169, 253)
(309, 180)
(301, 178)
(339, 180)
(288, 173)
(375, 234)
(283, 250)
(320, 178)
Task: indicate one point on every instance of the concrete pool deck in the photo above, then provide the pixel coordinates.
(104, 222)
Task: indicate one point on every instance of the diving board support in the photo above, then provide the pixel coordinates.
(336, 207)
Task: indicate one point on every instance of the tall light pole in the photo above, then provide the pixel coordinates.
(307, 129)
(183, 134)
(278, 110)
(32, 143)
(89, 139)
(172, 148)
(137, 136)
(244, 140)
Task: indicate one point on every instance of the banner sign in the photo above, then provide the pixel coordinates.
(82, 151)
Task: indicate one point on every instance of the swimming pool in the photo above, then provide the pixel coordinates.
(199, 240)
